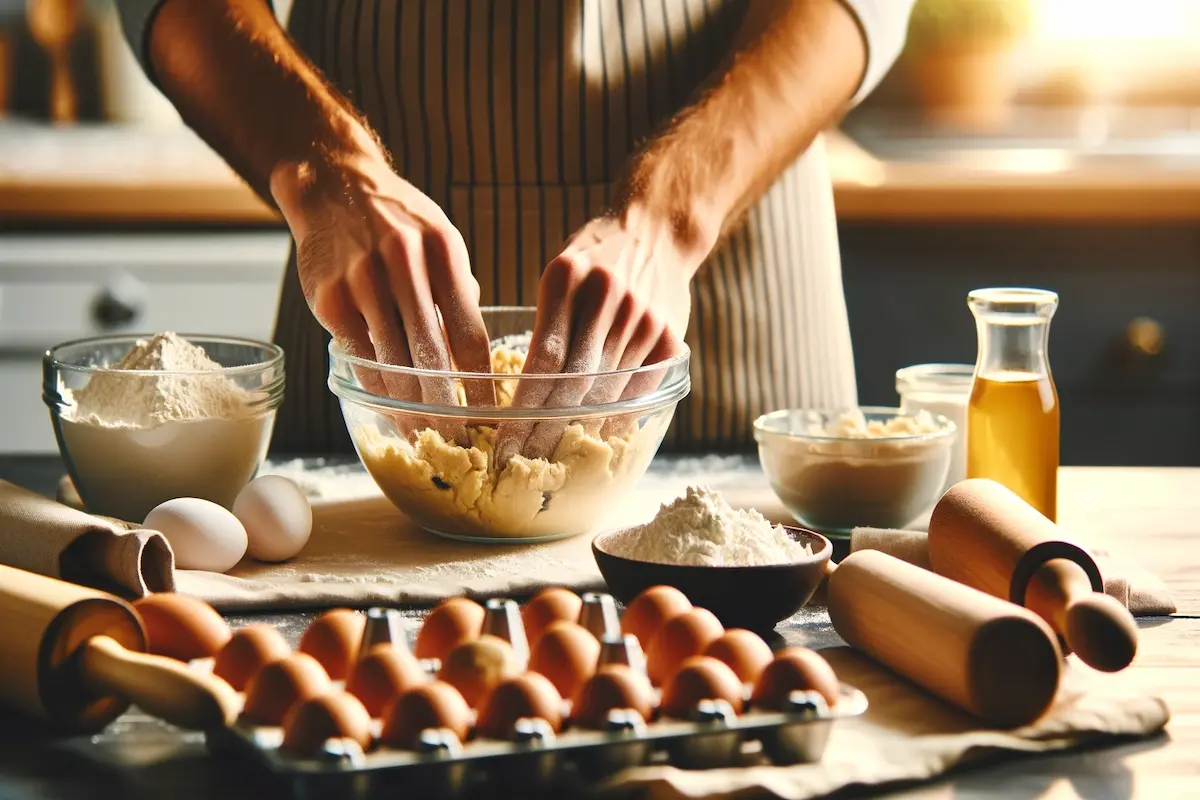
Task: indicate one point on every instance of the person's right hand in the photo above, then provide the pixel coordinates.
(378, 263)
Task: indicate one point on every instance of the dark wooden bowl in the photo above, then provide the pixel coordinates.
(741, 597)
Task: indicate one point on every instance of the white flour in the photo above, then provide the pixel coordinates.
(702, 529)
(119, 399)
(325, 482)
(137, 440)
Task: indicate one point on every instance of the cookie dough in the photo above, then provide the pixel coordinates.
(462, 491)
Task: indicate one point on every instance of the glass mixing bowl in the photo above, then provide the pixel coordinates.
(495, 472)
(125, 470)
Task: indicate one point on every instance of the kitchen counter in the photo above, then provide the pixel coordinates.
(109, 174)
(1152, 513)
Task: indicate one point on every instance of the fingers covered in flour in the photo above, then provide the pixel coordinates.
(645, 381)
(456, 293)
(596, 303)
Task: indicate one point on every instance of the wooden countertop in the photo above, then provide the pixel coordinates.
(1151, 514)
(107, 174)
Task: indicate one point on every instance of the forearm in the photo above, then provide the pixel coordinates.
(239, 82)
(795, 67)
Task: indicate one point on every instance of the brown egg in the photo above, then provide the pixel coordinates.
(794, 669)
(476, 667)
(280, 685)
(333, 639)
(686, 635)
(247, 651)
(528, 695)
(453, 622)
(550, 605)
(701, 678)
(613, 686)
(382, 675)
(431, 705)
(181, 627)
(566, 654)
(650, 610)
(334, 715)
(743, 651)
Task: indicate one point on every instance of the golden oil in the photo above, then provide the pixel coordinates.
(1013, 414)
(1013, 419)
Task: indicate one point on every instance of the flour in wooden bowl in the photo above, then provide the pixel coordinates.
(702, 529)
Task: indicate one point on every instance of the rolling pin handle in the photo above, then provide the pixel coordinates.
(160, 686)
(1039, 554)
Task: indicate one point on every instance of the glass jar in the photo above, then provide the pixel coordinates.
(1013, 414)
(940, 389)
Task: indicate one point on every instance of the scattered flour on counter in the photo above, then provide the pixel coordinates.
(116, 398)
(702, 529)
(322, 481)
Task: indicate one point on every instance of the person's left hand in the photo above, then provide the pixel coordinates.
(616, 298)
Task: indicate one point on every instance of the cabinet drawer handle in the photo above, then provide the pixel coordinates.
(1145, 337)
(119, 303)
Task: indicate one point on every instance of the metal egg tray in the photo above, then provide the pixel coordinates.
(538, 760)
(535, 759)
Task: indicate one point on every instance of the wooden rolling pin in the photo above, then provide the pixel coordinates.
(989, 657)
(984, 535)
(73, 657)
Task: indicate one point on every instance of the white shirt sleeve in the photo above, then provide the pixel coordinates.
(884, 25)
(136, 16)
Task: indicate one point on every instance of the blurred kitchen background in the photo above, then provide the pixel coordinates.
(1052, 143)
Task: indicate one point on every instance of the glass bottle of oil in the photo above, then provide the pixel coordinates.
(1013, 415)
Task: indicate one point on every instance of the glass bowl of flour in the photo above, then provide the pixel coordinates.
(504, 456)
(144, 418)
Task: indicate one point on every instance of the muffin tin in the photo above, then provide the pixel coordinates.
(537, 759)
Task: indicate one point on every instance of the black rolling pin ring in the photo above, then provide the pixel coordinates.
(1042, 552)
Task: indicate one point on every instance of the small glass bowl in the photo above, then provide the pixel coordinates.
(587, 441)
(124, 471)
(940, 389)
(834, 484)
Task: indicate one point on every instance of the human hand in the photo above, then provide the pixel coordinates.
(616, 298)
(381, 267)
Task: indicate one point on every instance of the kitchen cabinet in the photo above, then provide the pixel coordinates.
(1124, 344)
(55, 287)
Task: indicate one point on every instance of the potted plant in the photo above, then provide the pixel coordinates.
(961, 54)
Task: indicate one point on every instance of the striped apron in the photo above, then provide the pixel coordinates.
(516, 116)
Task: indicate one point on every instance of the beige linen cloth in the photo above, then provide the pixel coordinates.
(49, 538)
(364, 552)
(909, 735)
(1141, 591)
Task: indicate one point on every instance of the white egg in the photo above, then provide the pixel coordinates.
(277, 517)
(202, 534)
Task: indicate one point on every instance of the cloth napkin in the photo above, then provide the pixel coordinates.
(364, 552)
(909, 735)
(1141, 591)
(39, 535)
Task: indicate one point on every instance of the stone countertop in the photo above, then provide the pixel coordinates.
(139, 757)
(115, 175)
